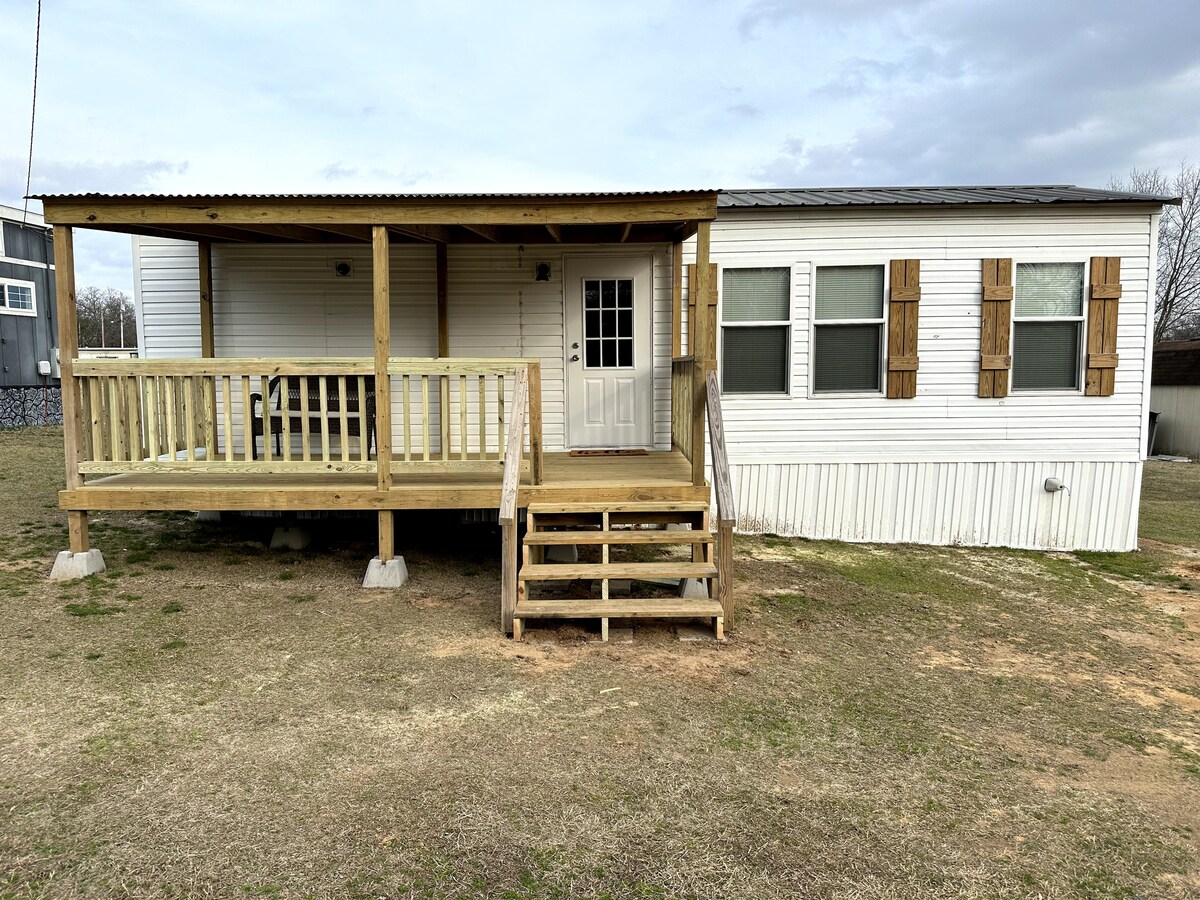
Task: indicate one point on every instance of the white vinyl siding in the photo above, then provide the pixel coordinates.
(814, 465)
(273, 300)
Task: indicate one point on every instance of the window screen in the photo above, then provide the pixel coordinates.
(1047, 326)
(848, 333)
(756, 324)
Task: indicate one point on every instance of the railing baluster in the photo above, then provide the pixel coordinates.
(462, 416)
(150, 400)
(407, 417)
(323, 395)
(483, 417)
(248, 439)
(208, 387)
(285, 418)
(114, 419)
(227, 415)
(265, 387)
(499, 414)
(169, 407)
(305, 431)
(343, 420)
(96, 419)
(425, 414)
(189, 416)
(134, 420)
(363, 431)
(444, 414)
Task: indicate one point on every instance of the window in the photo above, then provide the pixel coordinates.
(848, 329)
(1047, 326)
(608, 323)
(17, 297)
(755, 324)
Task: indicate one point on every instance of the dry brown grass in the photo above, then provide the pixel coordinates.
(884, 722)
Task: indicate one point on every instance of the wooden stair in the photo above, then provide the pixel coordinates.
(609, 525)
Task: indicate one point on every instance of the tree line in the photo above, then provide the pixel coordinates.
(1177, 304)
(106, 318)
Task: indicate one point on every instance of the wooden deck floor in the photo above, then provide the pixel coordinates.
(655, 476)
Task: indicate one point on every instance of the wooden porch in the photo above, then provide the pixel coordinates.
(386, 433)
(664, 475)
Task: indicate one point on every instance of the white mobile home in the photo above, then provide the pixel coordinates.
(899, 364)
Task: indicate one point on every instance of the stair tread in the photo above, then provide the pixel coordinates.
(627, 536)
(616, 609)
(626, 506)
(557, 571)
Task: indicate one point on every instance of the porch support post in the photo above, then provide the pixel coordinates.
(381, 276)
(677, 300)
(208, 347)
(68, 349)
(701, 343)
(80, 560)
(443, 337)
(387, 535)
(443, 303)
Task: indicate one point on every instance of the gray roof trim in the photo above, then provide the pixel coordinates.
(960, 195)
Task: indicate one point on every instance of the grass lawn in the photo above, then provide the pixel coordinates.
(211, 719)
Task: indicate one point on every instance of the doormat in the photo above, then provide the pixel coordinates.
(630, 452)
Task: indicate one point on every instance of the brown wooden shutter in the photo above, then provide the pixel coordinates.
(1104, 293)
(995, 325)
(903, 299)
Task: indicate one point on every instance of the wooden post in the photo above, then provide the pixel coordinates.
(535, 421)
(68, 349)
(387, 535)
(208, 348)
(381, 275)
(443, 338)
(699, 341)
(443, 303)
(677, 300)
(77, 526)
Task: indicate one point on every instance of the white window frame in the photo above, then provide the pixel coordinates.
(1081, 350)
(765, 323)
(814, 324)
(5, 309)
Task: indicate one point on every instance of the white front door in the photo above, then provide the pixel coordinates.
(610, 357)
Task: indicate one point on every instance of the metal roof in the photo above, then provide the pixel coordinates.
(569, 195)
(1176, 363)
(962, 195)
(749, 198)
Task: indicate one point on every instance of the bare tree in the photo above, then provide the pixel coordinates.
(106, 318)
(1177, 305)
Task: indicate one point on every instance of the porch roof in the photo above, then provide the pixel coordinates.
(568, 218)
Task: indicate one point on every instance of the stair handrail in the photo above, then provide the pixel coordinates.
(509, 484)
(723, 488)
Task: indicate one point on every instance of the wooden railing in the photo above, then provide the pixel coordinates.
(299, 415)
(723, 489)
(515, 439)
(682, 381)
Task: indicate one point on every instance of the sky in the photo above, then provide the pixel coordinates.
(222, 96)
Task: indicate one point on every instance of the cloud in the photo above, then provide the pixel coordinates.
(1024, 92)
(744, 110)
(57, 176)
